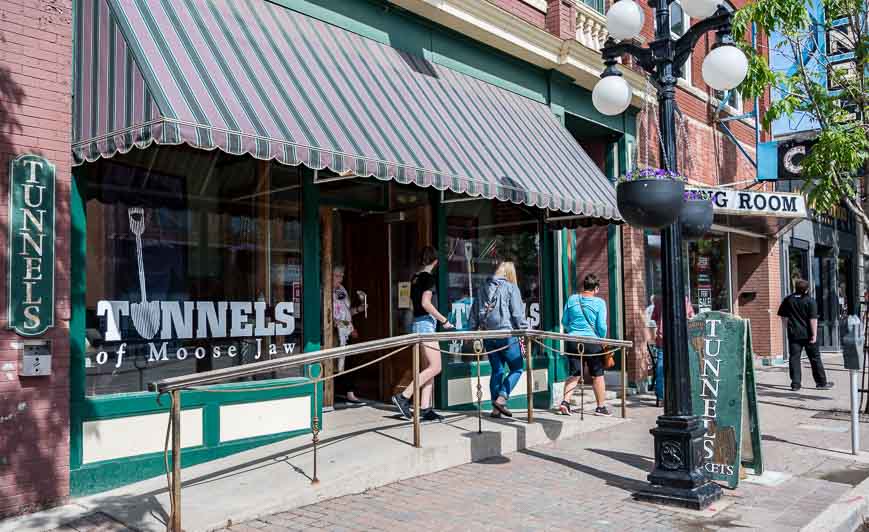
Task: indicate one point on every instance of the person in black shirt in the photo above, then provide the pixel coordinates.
(800, 312)
(425, 320)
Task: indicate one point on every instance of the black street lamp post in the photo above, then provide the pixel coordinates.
(678, 477)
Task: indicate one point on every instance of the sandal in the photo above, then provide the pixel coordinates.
(564, 408)
(495, 413)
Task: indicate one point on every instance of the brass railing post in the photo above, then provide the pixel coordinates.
(175, 525)
(478, 348)
(529, 378)
(416, 399)
(315, 420)
(624, 384)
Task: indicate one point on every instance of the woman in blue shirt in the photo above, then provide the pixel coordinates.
(585, 315)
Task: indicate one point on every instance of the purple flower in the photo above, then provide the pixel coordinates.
(651, 173)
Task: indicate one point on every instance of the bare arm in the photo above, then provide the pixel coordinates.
(430, 308)
(814, 326)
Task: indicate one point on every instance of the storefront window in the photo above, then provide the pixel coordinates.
(480, 234)
(193, 264)
(708, 274)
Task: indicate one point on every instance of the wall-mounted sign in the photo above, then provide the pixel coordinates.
(749, 203)
(723, 389)
(30, 305)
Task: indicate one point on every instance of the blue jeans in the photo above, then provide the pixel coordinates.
(423, 325)
(659, 373)
(512, 356)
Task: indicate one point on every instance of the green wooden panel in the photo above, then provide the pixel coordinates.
(103, 476)
(78, 289)
(754, 458)
(468, 369)
(100, 476)
(717, 344)
(311, 316)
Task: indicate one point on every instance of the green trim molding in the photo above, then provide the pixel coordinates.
(108, 474)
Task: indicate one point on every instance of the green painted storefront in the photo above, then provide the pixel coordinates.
(385, 24)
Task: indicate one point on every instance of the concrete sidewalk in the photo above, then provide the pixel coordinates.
(568, 475)
(360, 449)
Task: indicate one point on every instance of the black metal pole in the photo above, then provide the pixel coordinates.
(678, 477)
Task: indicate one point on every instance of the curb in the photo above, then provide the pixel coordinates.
(847, 514)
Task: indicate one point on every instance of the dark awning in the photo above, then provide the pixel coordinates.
(252, 77)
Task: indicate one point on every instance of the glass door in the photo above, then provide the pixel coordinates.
(822, 270)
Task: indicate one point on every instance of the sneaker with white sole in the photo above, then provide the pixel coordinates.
(603, 411)
(403, 404)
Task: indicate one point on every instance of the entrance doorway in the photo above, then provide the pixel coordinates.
(378, 252)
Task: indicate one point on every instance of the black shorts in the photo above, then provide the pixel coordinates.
(594, 364)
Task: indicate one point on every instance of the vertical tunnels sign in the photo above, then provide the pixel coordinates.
(30, 307)
(722, 380)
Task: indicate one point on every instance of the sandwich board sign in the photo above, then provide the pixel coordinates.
(724, 395)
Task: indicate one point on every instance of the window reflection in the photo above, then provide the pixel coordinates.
(480, 234)
(193, 264)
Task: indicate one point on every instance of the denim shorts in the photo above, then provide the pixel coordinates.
(423, 325)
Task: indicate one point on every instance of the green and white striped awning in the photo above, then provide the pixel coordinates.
(252, 77)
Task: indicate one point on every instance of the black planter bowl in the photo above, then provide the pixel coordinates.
(650, 203)
(696, 218)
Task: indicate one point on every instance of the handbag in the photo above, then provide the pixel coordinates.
(609, 361)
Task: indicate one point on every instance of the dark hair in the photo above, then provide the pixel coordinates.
(427, 255)
(801, 286)
(590, 282)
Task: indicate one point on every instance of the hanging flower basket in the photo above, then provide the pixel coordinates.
(650, 198)
(696, 217)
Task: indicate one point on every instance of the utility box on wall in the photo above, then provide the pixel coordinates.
(35, 359)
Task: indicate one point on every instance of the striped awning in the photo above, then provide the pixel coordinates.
(252, 77)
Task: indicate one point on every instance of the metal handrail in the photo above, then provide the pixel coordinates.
(174, 385)
(314, 357)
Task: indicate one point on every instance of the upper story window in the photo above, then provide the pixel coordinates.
(679, 24)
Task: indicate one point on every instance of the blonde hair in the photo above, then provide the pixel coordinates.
(507, 270)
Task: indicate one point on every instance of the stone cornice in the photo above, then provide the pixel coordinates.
(504, 31)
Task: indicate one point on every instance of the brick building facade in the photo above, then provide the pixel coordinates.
(35, 118)
(36, 70)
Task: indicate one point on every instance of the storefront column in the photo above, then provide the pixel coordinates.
(311, 301)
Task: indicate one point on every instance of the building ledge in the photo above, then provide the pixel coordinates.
(508, 33)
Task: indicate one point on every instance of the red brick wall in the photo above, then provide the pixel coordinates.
(35, 102)
(561, 18)
(760, 273)
(523, 10)
(591, 257)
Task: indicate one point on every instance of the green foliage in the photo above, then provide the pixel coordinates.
(842, 146)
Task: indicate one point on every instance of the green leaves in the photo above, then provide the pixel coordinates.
(824, 87)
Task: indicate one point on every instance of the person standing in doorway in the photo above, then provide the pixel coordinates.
(499, 307)
(425, 319)
(800, 313)
(585, 315)
(342, 315)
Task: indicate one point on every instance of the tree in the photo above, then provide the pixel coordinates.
(820, 84)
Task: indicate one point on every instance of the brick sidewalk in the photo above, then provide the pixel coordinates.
(586, 483)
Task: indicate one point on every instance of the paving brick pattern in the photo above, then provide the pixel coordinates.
(586, 483)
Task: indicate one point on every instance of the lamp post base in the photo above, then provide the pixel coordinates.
(692, 499)
(678, 478)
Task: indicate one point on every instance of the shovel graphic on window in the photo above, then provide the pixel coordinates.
(146, 315)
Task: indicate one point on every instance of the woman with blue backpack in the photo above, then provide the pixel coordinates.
(498, 306)
(585, 315)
